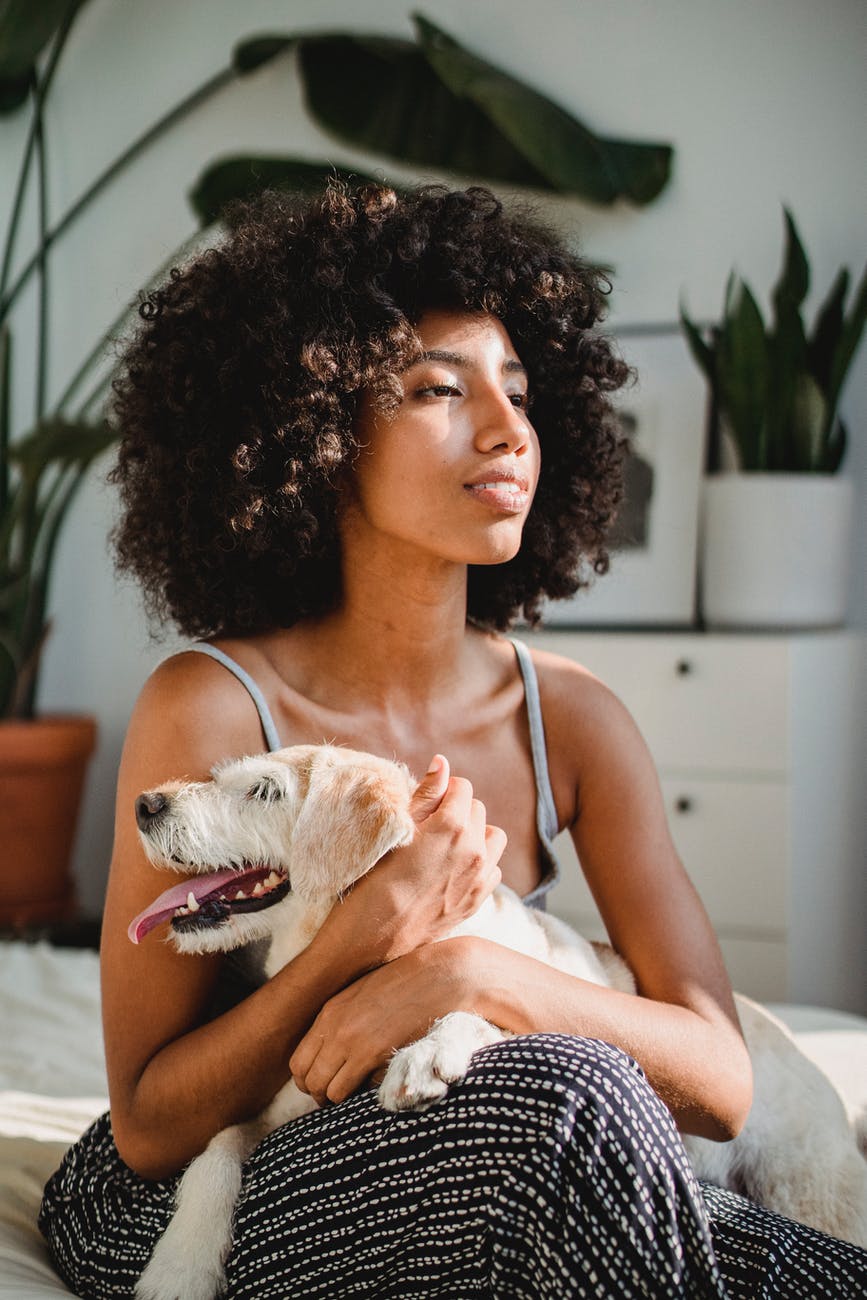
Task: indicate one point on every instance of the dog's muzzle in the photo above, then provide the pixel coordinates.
(207, 901)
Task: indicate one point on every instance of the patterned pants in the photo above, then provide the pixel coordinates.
(553, 1171)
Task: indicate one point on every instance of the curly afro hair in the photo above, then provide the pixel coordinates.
(237, 397)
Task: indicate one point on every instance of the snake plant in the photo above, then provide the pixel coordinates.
(775, 388)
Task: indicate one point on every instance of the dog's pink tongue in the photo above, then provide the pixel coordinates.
(169, 902)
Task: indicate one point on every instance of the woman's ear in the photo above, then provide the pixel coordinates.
(351, 816)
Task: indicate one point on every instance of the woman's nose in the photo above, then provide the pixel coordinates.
(502, 425)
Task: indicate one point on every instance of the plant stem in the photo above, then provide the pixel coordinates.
(138, 146)
(40, 92)
(42, 319)
(117, 325)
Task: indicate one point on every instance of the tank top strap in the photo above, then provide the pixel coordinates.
(546, 811)
(269, 730)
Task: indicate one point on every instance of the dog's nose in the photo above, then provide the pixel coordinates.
(148, 808)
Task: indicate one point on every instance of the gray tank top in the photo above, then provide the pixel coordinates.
(546, 812)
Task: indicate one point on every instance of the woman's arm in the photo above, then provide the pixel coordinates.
(175, 1078)
(683, 1028)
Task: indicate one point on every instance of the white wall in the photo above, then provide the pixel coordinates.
(764, 100)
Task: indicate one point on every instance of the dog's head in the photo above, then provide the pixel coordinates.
(304, 822)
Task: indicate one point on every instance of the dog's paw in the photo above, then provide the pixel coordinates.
(419, 1075)
(169, 1277)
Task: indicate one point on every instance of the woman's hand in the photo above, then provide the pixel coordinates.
(356, 1032)
(419, 893)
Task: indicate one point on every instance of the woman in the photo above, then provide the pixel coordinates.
(359, 438)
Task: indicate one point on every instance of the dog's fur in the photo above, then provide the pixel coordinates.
(321, 817)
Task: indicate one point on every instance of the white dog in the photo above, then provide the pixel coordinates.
(291, 831)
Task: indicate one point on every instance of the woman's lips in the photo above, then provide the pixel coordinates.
(503, 495)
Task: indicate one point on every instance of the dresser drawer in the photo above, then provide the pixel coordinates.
(714, 703)
(731, 837)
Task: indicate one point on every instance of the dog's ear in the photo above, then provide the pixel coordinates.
(352, 814)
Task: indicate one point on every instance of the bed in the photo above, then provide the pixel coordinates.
(52, 1084)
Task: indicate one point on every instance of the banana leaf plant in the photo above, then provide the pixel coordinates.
(432, 104)
(775, 389)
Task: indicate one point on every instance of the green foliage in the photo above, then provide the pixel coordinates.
(26, 27)
(435, 105)
(39, 476)
(570, 157)
(775, 389)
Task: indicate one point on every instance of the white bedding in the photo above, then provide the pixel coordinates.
(52, 1084)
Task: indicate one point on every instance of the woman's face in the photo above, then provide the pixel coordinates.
(453, 470)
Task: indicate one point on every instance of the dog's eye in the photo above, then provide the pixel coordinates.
(266, 790)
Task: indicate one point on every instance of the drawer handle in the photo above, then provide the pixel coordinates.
(684, 804)
(684, 667)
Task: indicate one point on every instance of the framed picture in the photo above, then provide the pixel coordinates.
(653, 544)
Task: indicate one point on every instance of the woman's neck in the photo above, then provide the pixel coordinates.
(399, 636)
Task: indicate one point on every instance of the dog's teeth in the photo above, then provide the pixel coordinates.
(258, 890)
(273, 880)
(240, 894)
(192, 904)
(183, 911)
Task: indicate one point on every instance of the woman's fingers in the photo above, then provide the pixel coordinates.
(330, 1066)
(496, 840)
(428, 794)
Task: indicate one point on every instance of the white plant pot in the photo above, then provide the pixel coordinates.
(775, 550)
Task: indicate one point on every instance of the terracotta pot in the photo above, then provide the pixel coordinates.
(42, 768)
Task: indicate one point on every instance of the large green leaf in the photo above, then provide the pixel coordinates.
(61, 443)
(240, 178)
(250, 55)
(701, 351)
(787, 358)
(848, 344)
(791, 288)
(26, 27)
(823, 341)
(572, 158)
(382, 95)
(807, 426)
(742, 373)
(434, 105)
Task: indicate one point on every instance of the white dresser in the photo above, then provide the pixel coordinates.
(761, 746)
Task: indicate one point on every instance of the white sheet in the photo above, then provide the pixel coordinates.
(52, 1085)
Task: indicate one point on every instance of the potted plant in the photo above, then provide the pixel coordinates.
(42, 761)
(777, 512)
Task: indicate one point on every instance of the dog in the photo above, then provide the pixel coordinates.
(292, 831)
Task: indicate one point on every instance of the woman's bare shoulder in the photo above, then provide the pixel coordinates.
(194, 704)
(588, 730)
(571, 692)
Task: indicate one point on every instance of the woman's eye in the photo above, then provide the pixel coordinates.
(521, 400)
(439, 390)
